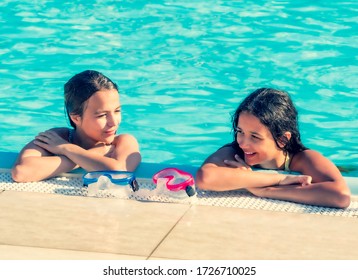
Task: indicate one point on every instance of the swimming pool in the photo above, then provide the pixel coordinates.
(182, 67)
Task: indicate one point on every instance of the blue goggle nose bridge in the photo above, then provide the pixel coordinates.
(128, 179)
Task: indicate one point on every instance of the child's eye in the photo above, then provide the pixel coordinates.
(256, 137)
(238, 131)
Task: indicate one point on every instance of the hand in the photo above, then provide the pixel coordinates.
(50, 141)
(302, 180)
(237, 163)
(288, 180)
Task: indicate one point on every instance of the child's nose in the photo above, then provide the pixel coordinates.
(112, 120)
(242, 142)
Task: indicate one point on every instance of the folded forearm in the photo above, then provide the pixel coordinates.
(36, 168)
(226, 178)
(91, 160)
(323, 194)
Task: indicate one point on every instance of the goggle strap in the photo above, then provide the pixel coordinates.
(190, 191)
(134, 184)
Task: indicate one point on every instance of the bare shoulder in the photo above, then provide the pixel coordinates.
(61, 131)
(30, 149)
(126, 150)
(308, 154)
(311, 162)
(309, 157)
(218, 157)
(125, 140)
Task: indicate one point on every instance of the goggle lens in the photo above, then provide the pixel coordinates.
(116, 177)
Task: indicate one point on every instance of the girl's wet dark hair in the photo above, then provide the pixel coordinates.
(275, 110)
(81, 87)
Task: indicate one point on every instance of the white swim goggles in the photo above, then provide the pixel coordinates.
(116, 177)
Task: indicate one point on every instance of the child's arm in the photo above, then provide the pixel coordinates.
(122, 154)
(328, 187)
(41, 160)
(215, 175)
(35, 164)
(127, 152)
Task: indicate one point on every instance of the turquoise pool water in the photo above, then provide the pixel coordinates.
(182, 68)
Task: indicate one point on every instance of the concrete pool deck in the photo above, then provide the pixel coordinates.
(45, 226)
(50, 226)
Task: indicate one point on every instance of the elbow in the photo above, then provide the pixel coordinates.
(133, 161)
(129, 164)
(204, 179)
(342, 200)
(18, 174)
(341, 197)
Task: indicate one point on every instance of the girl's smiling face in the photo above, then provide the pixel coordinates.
(100, 119)
(257, 143)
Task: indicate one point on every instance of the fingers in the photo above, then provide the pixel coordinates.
(40, 143)
(237, 163)
(242, 162)
(309, 180)
(41, 137)
(47, 134)
(48, 137)
(306, 180)
(239, 159)
(231, 163)
(303, 180)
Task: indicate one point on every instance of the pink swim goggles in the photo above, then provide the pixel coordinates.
(176, 180)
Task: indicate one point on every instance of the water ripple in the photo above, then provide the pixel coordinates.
(182, 68)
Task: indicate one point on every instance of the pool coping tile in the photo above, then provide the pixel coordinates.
(114, 226)
(226, 233)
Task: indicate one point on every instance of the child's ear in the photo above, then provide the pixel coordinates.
(284, 139)
(76, 119)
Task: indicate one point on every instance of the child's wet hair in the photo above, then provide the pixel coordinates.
(275, 109)
(81, 87)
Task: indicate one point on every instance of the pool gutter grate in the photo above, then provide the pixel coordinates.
(72, 185)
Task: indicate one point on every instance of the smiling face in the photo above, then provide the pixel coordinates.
(100, 119)
(256, 140)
